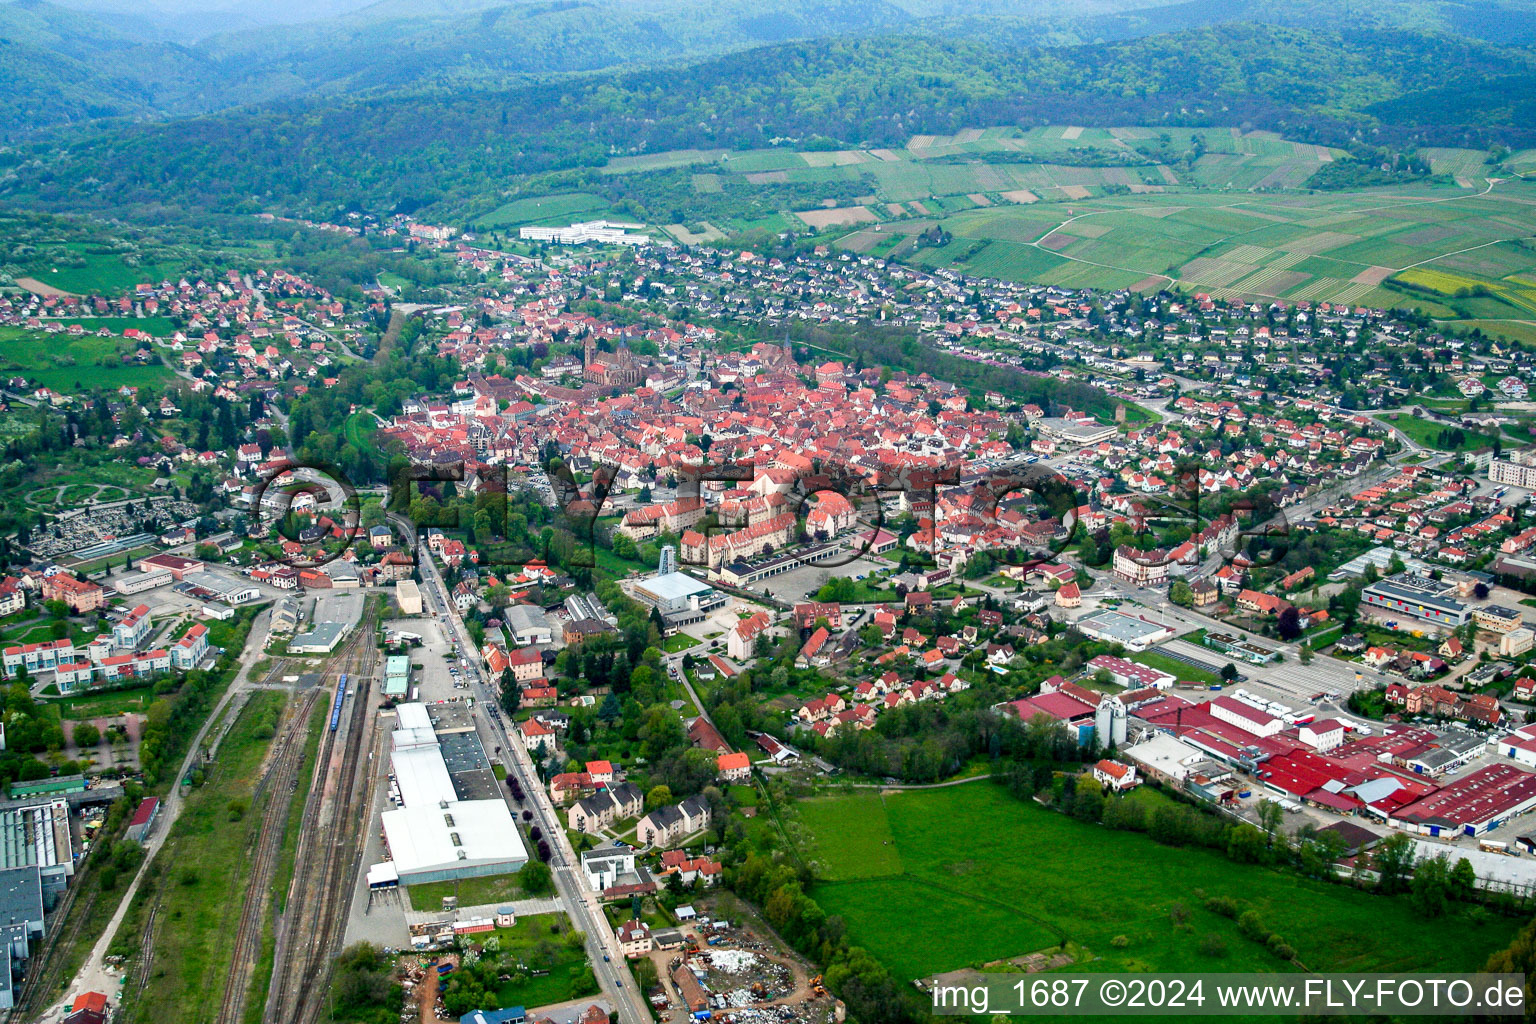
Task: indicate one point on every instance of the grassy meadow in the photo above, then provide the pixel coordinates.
(935, 880)
(70, 365)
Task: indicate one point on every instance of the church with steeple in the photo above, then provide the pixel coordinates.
(619, 369)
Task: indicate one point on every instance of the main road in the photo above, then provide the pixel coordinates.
(581, 903)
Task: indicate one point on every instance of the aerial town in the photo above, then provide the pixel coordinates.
(528, 650)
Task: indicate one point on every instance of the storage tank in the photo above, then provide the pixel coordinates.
(1109, 722)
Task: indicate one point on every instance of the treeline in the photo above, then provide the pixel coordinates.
(871, 993)
(669, 196)
(1369, 167)
(1436, 886)
(318, 419)
(930, 741)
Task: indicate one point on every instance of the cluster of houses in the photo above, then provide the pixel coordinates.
(268, 328)
(111, 657)
(1443, 703)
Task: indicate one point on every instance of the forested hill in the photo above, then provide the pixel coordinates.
(68, 61)
(64, 66)
(453, 148)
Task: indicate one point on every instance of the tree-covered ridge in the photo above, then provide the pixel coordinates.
(64, 66)
(450, 148)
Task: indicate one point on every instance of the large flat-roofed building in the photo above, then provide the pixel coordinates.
(1418, 597)
(453, 839)
(21, 924)
(1473, 804)
(1132, 631)
(408, 597)
(37, 835)
(606, 232)
(1519, 470)
(1497, 618)
(219, 588)
(1378, 558)
(677, 591)
(133, 583)
(679, 598)
(1074, 432)
(422, 775)
(177, 565)
(528, 624)
(436, 835)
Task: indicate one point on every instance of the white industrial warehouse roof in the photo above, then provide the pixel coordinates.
(674, 586)
(413, 716)
(406, 739)
(422, 776)
(464, 834)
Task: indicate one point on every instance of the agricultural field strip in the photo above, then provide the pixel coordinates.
(1037, 242)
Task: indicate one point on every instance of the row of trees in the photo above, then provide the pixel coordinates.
(870, 992)
(172, 720)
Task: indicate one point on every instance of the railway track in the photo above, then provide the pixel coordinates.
(278, 782)
(146, 950)
(41, 983)
(330, 842)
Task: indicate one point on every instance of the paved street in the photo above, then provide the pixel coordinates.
(580, 902)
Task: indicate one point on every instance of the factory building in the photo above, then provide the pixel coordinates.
(434, 835)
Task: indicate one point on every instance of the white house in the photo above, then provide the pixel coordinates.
(1323, 736)
(1116, 776)
(634, 938)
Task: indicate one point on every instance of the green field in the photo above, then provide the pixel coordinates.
(70, 365)
(358, 430)
(103, 272)
(542, 942)
(1123, 207)
(105, 705)
(1333, 247)
(935, 880)
(853, 836)
(1427, 433)
(559, 209)
(678, 642)
(472, 892)
(1163, 663)
(198, 878)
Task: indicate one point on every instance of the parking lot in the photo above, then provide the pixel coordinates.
(436, 680)
(345, 606)
(804, 580)
(167, 601)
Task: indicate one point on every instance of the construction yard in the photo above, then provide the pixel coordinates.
(740, 972)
